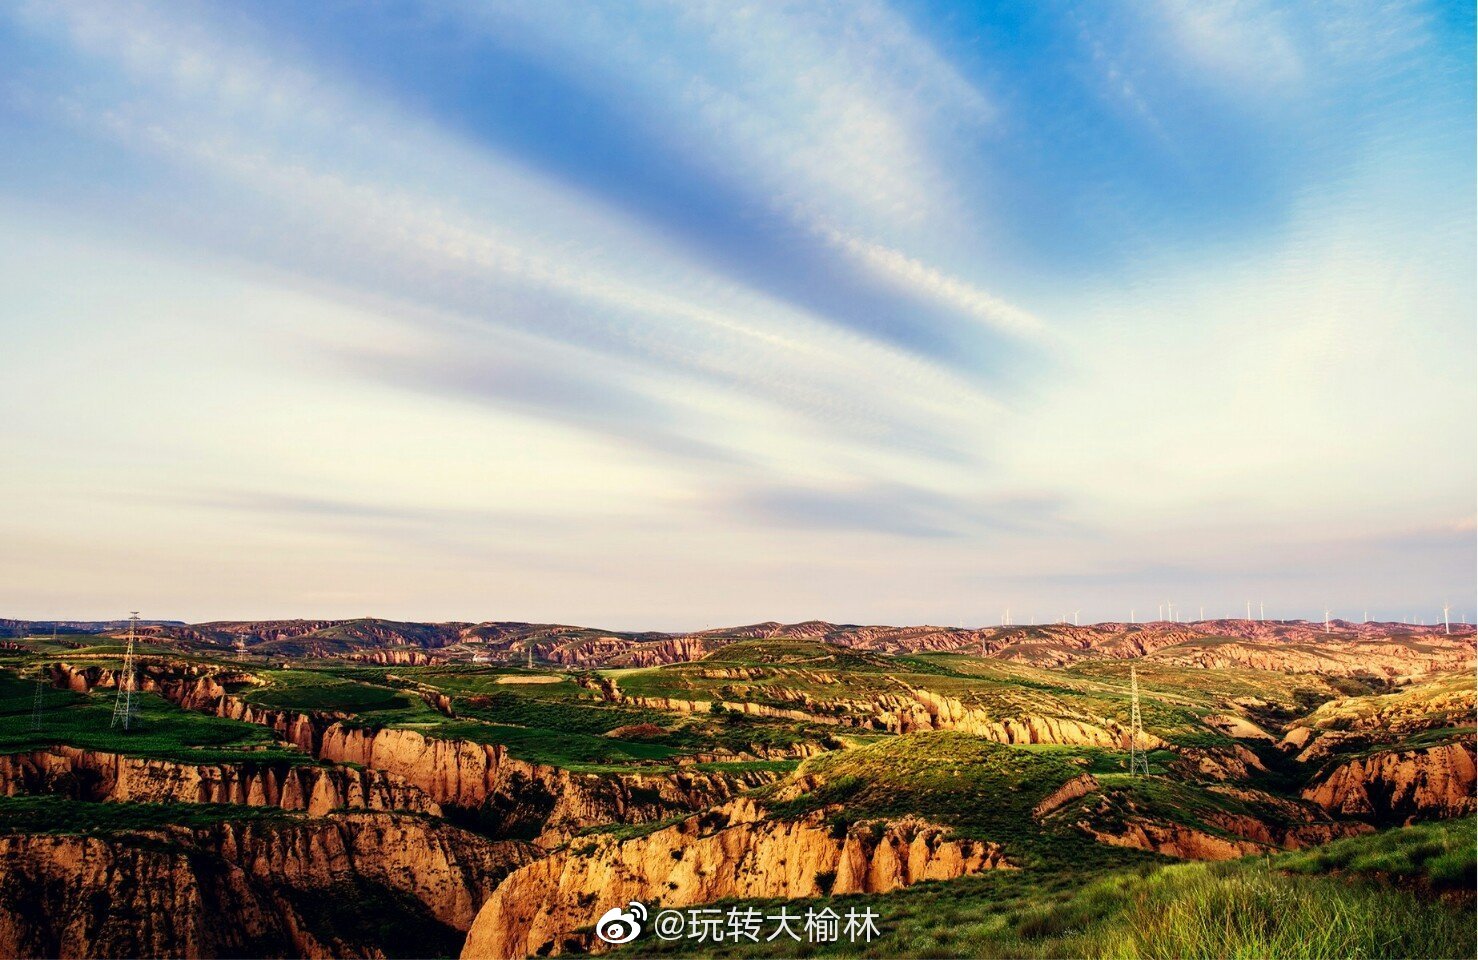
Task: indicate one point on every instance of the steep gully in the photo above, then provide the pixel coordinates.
(1401, 786)
(732, 851)
(333, 886)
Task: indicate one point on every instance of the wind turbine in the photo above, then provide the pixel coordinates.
(1326, 619)
(1075, 617)
(1262, 611)
(1249, 609)
(1445, 621)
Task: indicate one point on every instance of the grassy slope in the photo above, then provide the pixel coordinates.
(796, 673)
(59, 815)
(1290, 905)
(161, 729)
(321, 690)
(558, 723)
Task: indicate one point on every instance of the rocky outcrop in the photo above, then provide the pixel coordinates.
(617, 652)
(1439, 702)
(175, 681)
(1175, 840)
(78, 896)
(1219, 822)
(395, 657)
(923, 709)
(526, 798)
(96, 776)
(1400, 786)
(1065, 794)
(1237, 727)
(1223, 836)
(1233, 762)
(731, 851)
(913, 709)
(248, 889)
(1345, 656)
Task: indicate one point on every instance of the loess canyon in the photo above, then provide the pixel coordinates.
(373, 788)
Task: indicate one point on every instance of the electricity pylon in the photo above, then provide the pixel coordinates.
(1139, 763)
(39, 703)
(125, 711)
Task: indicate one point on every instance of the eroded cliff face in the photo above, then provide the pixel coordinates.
(625, 652)
(921, 709)
(1232, 762)
(259, 889)
(1224, 836)
(508, 795)
(525, 798)
(96, 776)
(1246, 821)
(1401, 786)
(75, 896)
(731, 851)
(1338, 656)
(911, 710)
(1175, 840)
(399, 657)
(1065, 794)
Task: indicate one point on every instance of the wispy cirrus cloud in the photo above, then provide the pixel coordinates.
(712, 294)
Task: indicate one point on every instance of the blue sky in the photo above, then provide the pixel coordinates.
(672, 314)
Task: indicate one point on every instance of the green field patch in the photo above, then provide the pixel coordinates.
(557, 748)
(502, 705)
(160, 729)
(978, 787)
(52, 814)
(747, 766)
(317, 690)
(1442, 856)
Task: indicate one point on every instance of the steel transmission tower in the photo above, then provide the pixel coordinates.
(124, 709)
(1139, 763)
(39, 703)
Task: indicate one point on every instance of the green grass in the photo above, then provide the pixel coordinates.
(507, 707)
(556, 748)
(60, 815)
(1252, 908)
(160, 729)
(317, 690)
(980, 788)
(1440, 855)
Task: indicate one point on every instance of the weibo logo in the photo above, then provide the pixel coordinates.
(621, 926)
